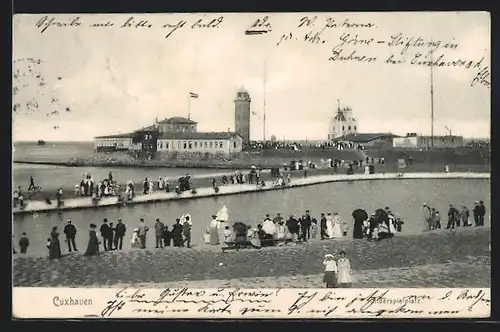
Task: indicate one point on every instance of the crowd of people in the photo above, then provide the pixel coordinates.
(381, 224)
(88, 188)
(109, 187)
(456, 217)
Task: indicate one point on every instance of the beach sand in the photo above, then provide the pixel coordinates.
(462, 256)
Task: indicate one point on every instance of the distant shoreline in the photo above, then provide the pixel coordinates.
(67, 164)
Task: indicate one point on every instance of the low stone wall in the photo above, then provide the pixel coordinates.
(263, 158)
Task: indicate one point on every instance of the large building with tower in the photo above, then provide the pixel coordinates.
(242, 114)
(178, 134)
(342, 123)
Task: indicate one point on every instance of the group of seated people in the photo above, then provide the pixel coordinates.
(269, 233)
(383, 223)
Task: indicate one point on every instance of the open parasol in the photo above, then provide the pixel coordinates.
(222, 215)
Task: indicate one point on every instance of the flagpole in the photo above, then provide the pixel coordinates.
(189, 106)
(264, 117)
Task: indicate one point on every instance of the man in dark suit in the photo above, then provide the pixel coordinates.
(70, 232)
(105, 231)
(305, 226)
(119, 234)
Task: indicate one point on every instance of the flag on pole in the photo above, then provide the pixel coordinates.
(193, 95)
(253, 113)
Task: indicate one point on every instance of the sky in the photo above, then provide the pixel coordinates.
(112, 80)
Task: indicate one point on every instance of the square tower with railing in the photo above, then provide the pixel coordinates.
(242, 114)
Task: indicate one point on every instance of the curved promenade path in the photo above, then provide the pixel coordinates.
(86, 202)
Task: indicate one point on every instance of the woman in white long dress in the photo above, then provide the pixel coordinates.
(337, 231)
(269, 227)
(329, 225)
(344, 271)
(214, 231)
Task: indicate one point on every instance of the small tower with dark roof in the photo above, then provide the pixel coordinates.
(342, 123)
(242, 114)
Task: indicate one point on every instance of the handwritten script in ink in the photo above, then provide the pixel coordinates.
(297, 303)
(342, 39)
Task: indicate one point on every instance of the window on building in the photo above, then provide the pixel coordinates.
(161, 145)
(234, 144)
(195, 144)
(349, 127)
(179, 144)
(220, 145)
(185, 145)
(190, 145)
(166, 145)
(206, 144)
(343, 127)
(354, 127)
(211, 145)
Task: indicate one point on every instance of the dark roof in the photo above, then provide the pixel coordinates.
(148, 128)
(340, 116)
(198, 135)
(127, 135)
(365, 137)
(177, 119)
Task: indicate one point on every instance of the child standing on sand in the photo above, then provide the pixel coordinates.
(135, 238)
(48, 244)
(227, 234)
(314, 228)
(344, 270)
(206, 236)
(330, 277)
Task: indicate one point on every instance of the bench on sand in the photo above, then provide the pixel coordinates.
(245, 244)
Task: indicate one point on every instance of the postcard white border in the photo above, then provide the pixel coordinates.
(234, 303)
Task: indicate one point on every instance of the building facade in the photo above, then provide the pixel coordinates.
(146, 139)
(342, 123)
(242, 114)
(177, 125)
(121, 142)
(222, 142)
(418, 141)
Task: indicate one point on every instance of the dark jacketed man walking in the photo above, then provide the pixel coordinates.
(32, 184)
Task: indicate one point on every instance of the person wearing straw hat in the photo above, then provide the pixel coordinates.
(214, 231)
(330, 277)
